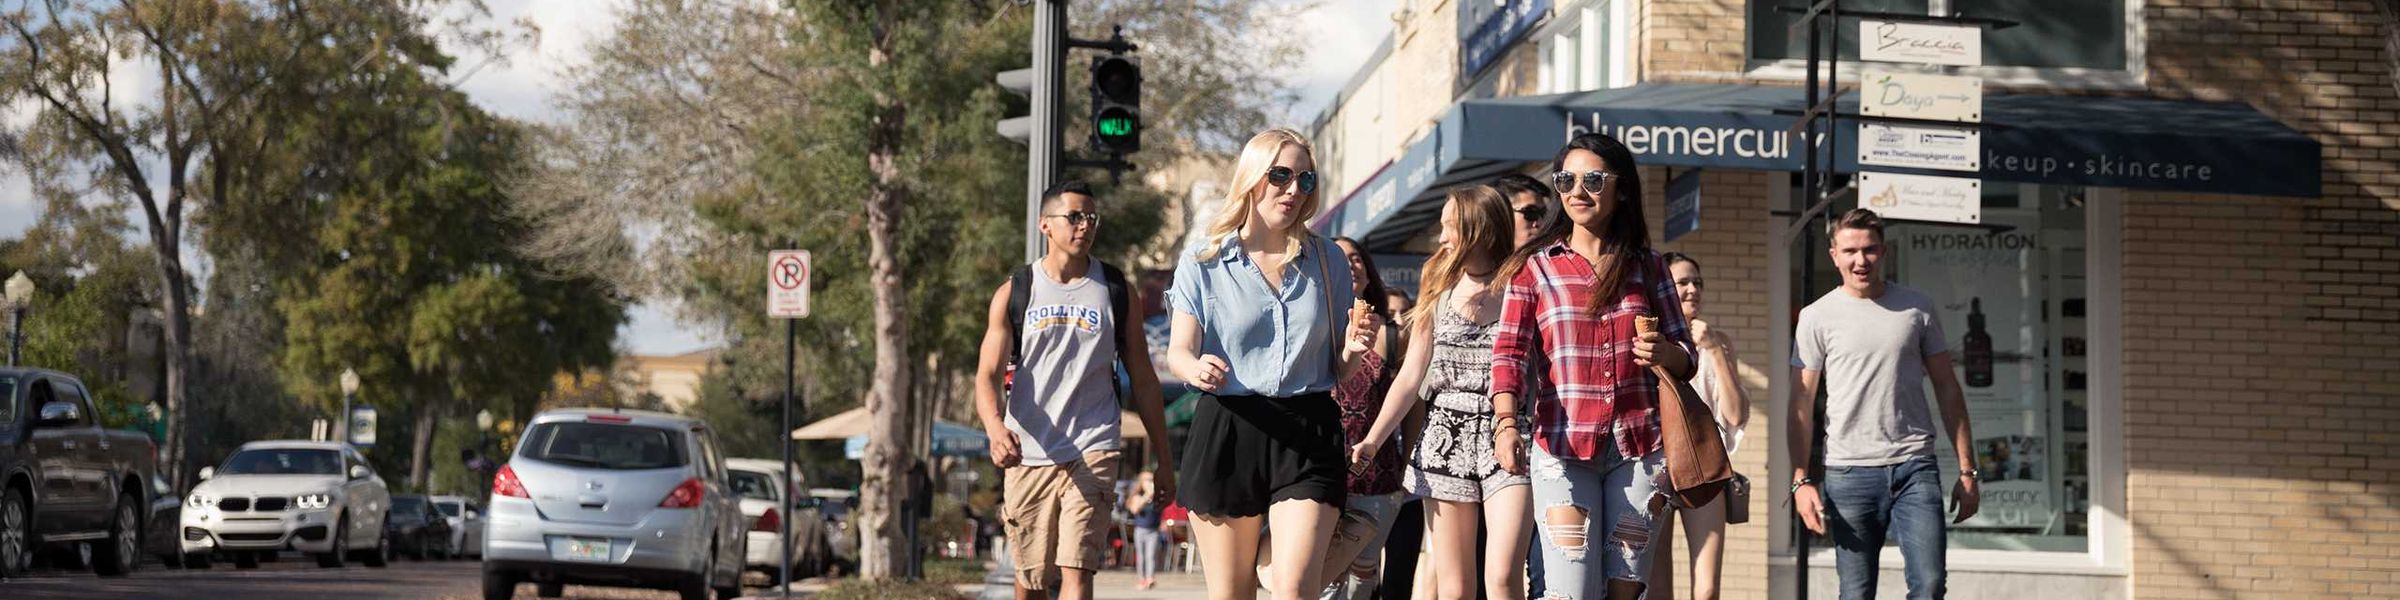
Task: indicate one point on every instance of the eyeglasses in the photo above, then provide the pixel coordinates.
(1283, 176)
(1532, 212)
(1078, 218)
(1593, 182)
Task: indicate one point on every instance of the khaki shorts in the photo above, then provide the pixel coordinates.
(1059, 516)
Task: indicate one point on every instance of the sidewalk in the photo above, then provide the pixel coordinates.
(1109, 585)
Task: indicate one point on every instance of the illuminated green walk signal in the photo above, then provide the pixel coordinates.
(1117, 103)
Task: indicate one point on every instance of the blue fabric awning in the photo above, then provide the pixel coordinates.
(949, 439)
(2138, 143)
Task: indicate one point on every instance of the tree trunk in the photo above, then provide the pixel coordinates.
(178, 334)
(881, 553)
(422, 448)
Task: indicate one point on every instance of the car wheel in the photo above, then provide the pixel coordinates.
(499, 585)
(380, 557)
(121, 553)
(697, 587)
(332, 558)
(245, 560)
(550, 590)
(16, 541)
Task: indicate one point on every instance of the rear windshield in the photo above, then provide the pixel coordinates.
(407, 505)
(604, 446)
(753, 484)
(449, 509)
(283, 462)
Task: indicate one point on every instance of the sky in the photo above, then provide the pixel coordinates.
(1343, 34)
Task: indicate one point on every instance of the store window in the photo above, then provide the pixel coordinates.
(2052, 36)
(2014, 295)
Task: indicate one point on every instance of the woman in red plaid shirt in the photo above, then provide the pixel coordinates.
(1567, 352)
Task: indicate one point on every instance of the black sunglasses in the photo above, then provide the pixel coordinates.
(1283, 176)
(1564, 181)
(1531, 212)
(1078, 218)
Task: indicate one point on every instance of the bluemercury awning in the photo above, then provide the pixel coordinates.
(2138, 143)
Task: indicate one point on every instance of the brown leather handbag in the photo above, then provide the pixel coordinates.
(1696, 463)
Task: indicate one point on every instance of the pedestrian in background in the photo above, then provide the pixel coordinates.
(1260, 325)
(1449, 364)
(1567, 347)
(1147, 508)
(1718, 380)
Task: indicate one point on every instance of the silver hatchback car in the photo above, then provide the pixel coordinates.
(614, 497)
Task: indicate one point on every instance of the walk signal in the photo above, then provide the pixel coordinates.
(1117, 103)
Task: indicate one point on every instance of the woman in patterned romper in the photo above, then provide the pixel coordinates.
(1449, 361)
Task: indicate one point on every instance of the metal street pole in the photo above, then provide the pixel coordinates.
(16, 335)
(1049, 76)
(791, 362)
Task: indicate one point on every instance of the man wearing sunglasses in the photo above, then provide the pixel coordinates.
(1057, 333)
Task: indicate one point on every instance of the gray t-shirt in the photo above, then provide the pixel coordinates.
(1872, 353)
(1064, 401)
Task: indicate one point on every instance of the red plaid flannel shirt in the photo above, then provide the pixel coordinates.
(1578, 369)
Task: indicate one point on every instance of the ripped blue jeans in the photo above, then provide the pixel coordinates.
(1611, 499)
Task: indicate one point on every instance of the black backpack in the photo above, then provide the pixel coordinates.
(1020, 293)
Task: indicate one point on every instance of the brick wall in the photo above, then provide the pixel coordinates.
(1731, 246)
(2262, 338)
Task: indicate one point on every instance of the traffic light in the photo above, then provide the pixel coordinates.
(1117, 103)
(1021, 83)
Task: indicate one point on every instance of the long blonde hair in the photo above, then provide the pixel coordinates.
(1483, 226)
(1247, 185)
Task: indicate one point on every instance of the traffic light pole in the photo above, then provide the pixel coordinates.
(1049, 77)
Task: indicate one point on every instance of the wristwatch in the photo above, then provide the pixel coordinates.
(1971, 474)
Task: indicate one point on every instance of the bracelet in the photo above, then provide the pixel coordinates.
(1803, 481)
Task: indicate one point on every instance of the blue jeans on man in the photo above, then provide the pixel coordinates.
(1867, 505)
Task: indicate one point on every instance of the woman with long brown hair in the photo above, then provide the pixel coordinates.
(1568, 351)
(1449, 362)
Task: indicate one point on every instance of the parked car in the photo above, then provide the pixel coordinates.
(418, 530)
(466, 524)
(64, 479)
(158, 531)
(761, 487)
(315, 497)
(614, 497)
(840, 534)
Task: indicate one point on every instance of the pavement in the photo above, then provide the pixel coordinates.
(296, 578)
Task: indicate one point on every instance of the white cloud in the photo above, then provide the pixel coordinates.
(523, 87)
(653, 331)
(1342, 34)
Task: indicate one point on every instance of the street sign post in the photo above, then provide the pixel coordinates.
(788, 276)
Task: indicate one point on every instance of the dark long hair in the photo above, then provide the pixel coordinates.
(1374, 292)
(1626, 238)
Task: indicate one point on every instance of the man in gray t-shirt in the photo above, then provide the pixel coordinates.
(1872, 345)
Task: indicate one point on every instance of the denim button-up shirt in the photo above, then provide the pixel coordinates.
(1276, 342)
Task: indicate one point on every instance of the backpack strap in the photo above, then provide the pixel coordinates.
(1020, 293)
(1120, 301)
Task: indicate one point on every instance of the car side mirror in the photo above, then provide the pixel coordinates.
(56, 413)
(358, 472)
(207, 472)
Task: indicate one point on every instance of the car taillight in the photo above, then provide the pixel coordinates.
(686, 495)
(767, 522)
(505, 484)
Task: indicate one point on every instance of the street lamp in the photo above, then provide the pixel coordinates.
(349, 388)
(20, 293)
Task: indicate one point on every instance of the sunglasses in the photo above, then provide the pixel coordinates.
(1564, 181)
(1283, 176)
(1079, 218)
(1532, 212)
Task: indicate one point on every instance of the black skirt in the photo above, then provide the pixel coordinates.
(1245, 453)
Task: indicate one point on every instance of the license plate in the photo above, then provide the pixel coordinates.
(587, 549)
